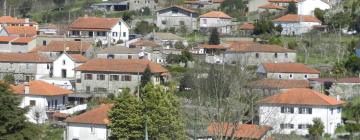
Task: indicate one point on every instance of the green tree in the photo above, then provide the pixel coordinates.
(59, 3)
(13, 123)
(339, 20)
(9, 79)
(186, 56)
(357, 24)
(235, 8)
(263, 26)
(162, 110)
(144, 27)
(352, 112)
(146, 77)
(25, 8)
(126, 117)
(352, 64)
(214, 37)
(316, 129)
(179, 45)
(292, 9)
(319, 14)
(279, 28)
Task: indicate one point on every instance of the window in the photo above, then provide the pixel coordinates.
(92, 130)
(129, 56)
(100, 77)
(27, 66)
(287, 110)
(124, 34)
(32, 102)
(303, 126)
(276, 55)
(287, 126)
(101, 33)
(76, 33)
(338, 109)
(100, 89)
(204, 21)
(115, 34)
(280, 76)
(114, 77)
(88, 76)
(163, 22)
(87, 88)
(291, 76)
(44, 43)
(120, 23)
(181, 23)
(175, 11)
(332, 110)
(286, 55)
(64, 62)
(305, 76)
(305, 110)
(126, 78)
(257, 55)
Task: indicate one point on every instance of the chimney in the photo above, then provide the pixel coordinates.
(26, 88)
(27, 20)
(337, 97)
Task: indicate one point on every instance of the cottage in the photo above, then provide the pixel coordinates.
(216, 19)
(19, 31)
(204, 4)
(293, 24)
(12, 44)
(91, 125)
(255, 53)
(346, 88)
(307, 7)
(24, 66)
(295, 109)
(291, 71)
(176, 17)
(136, 5)
(55, 48)
(106, 30)
(42, 98)
(112, 75)
(11, 21)
(167, 40)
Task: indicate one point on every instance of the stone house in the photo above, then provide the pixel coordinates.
(111, 6)
(293, 111)
(166, 40)
(216, 19)
(106, 30)
(204, 4)
(214, 54)
(137, 5)
(272, 8)
(112, 75)
(176, 17)
(19, 31)
(24, 66)
(246, 29)
(55, 48)
(42, 98)
(346, 88)
(253, 5)
(12, 44)
(293, 24)
(121, 52)
(291, 71)
(269, 87)
(11, 21)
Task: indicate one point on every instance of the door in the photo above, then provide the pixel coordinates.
(63, 73)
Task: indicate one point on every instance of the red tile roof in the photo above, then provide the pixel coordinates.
(144, 42)
(339, 80)
(94, 23)
(207, 46)
(13, 39)
(11, 20)
(255, 47)
(247, 26)
(23, 58)
(241, 131)
(7, 39)
(120, 66)
(23, 31)
(289, 68)
(296, 18)
(38, 87)
(279, 84)
(271, 6)
(60, 115)
(301, 96)
(58, 46)
(78, 58)
(283, 1)
(98, 115)
(215, 14)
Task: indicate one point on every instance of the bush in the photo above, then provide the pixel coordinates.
(119, 41)
(292, 44)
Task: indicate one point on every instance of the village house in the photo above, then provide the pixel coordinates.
(204, 4)
(284, 3)
(307, 7)
(238, 131)
(49, 30)
(113, 75)
(106, 30)
(91, 125)
(346, 88)
(214, 54)
(291, 71)
(19, 31)
(11, 21)
(24, 66)
(253, 5)
(295, 109)
(167, 40)
(138, 5)
(246, 29)
(12, 44)
(293, 24)
(121, 52)
(268, 87)
(55, 48)
(111, 6)
(216, 19)
(272, 8)
(42, 98)
(176, 17)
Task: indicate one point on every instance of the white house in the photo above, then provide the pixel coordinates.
(293, 24)
(176, 17)
(215, 19)
(290, 71)
(307, 7)
(295, 109)
(43, 99)
(100, 29)
(91, 125)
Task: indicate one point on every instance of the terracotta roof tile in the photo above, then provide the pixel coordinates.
(242, 131)
(11, 20)
(279, 84)
(60, 115)
(180, 7)
(271, 6)
(23, 58)
(98, 115)
(301, 96)
(38, 87)
(120, 65)
(283, 1)
(289, 68)
(58, 46)
(7, 39)
(247, 26)
(144, 42)
(23, 40)
(78, 58)
(94, 23)
(296, 18)
(215, 14)
(23, 31)
(207, 46)
(255, 47)
(339, 80)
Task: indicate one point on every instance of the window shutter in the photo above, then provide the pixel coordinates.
(291, 126)
(300, 110)
(310, 110)
(282, 110)
(292, 110)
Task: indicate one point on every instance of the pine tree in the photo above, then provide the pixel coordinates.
(13, 124)
(126, 117)
(317, 129)
(214, 37)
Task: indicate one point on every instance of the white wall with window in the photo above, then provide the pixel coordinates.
(75, 131)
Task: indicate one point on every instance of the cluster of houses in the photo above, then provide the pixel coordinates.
(55, 74)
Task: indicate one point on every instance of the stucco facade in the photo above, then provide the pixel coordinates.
(175, 17)
(86, 131)
(296, 28)
(256, 58)
(307, 7)
(223, 25)
(140, 4)
(25, 71)
(14, 47)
